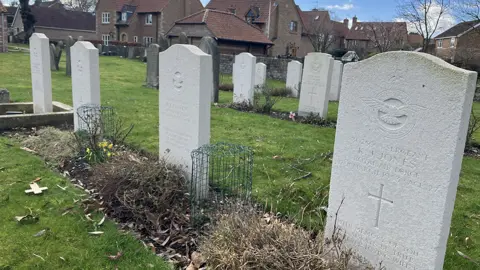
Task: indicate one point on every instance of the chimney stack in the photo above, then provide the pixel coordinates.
(354, 20)
(345, 22)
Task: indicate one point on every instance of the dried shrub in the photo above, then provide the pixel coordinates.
(247, 240)
(52, 144)
(264, 99)
(226, 87)
(143, 190)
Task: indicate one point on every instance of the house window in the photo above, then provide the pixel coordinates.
(124, 16)
(135, 39)
(232, 10)
(147, 40)
(106, 39)
(452, 42)
(440, 43)
(105, 17)
(293, 26)
(148, 19)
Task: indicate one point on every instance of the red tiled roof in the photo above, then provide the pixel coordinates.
(243, 6)
(313, 17)
(143, 6)
(2, 8)
(362, 30)
(66, 19)
(340, 28)
(225, 25)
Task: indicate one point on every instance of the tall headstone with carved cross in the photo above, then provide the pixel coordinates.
(244, 78)
(41, 74)
(317, 73)
(294, 76)
(85, 77)
(186, 85)
(399, 145)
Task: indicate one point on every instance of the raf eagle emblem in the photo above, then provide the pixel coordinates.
(392, 112)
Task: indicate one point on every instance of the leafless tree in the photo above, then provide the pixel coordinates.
(322, 35)
(386, 36)
(467, 10)
(424, 16)
(81, 5)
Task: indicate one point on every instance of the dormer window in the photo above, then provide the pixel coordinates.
(148, 19)
(124, 16)
(293, 26)
(232, 10)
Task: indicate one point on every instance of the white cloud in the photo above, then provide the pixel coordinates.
(340, 7)
(446, 21)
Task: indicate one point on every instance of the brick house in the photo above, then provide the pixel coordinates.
(57, 23)
(459, 44)
(140, 21)
(232, 33)
(281, 21)
(374, 37)
(3, 29)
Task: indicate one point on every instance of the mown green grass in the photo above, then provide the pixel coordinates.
(279, 145)
(67, 235)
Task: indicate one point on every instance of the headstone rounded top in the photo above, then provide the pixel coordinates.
(38, 36)
(153, 45)
(261, 64)
(162, 42)
(295, 62)
(60, 44)
(245, 54)
(318, 54)
(84, 45)
(428, 60)
(183, 38)
(208, 45)
(192, 49)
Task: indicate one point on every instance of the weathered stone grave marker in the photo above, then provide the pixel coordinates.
(183, 38)
(244, 78)
(260, 74)
(58, 54)
(317, 76)
(152, 65)
(336, 84)
(85, 77)
(41, 74)
(294, 76)
(209, 46)
(4, 96)
(186, 84)
(399, 145)
(68, 45)
(52, 57)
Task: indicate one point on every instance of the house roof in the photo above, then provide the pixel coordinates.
(458, 29)
(61, 18)
(143, 6)
(362, 30)
(313, 16)
(340, 28)
(11, 10)
(225, 25)
(2, 8)
(243, 6)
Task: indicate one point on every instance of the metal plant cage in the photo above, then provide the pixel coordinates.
(221, 177)
(95, 119)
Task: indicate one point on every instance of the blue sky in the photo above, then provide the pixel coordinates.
(365, 10)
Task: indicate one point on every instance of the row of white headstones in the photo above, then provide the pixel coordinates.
(400, 137)
(320, 81)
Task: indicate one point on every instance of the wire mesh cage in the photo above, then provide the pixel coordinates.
(221, 177)
(95, 119)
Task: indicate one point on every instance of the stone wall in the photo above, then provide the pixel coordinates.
(276, 67)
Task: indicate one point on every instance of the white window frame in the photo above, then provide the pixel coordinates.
(291, 26)
(147, 40)
(440, 43)
(105, 17)
(105, 39)
(452, 42)
(148, 19)
(124, 16)
(135, 39)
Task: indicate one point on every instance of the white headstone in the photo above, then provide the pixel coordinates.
(185, 84)
(41, 74)
(399, 145)
(336, 84)
(260, 74)
(85, 77)
(317, 75)
(244, 78)
(294, 76)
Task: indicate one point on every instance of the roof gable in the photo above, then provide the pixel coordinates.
(242, 7)
(459, 29)
(61, 18)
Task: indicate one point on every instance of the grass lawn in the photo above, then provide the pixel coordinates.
(294, 145)
(68, 234)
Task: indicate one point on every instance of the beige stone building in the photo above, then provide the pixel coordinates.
(140, 21)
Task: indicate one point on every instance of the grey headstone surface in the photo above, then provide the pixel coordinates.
(100, 49)
(52, 58)
(80, 38)
(131, 52)
(183, 38)
(68, 44)
(4, 96)
(162, 42)
(58, 54)
(152, 65)
(209, 45)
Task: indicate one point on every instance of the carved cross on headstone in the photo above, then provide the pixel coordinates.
(312, 94)
(380, 198)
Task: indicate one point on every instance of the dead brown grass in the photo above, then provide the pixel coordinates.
(247, 240)
(52, 144)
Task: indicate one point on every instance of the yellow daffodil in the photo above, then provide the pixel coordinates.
(88, 151)
(110, 146)
(109, 154)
